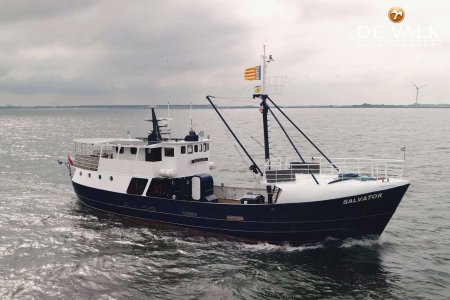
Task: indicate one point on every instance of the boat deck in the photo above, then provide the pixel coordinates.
(233, 195)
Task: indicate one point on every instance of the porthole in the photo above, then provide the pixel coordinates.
(99, 176)
(111, 178)
(89, 175)
(81, 173)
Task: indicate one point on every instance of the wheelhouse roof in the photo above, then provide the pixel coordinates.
(111, 141)
(134, 142)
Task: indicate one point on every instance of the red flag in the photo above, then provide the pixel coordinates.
(69, 160)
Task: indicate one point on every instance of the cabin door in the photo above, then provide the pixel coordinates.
(196, 188)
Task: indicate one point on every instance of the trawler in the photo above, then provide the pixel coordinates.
(160, 179)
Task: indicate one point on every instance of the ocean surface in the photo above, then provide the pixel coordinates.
(52, 248)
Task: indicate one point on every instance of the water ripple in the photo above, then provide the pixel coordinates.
(50, 247)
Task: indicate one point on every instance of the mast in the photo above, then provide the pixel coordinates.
(265, 110)
(263, 65)
(155, 135)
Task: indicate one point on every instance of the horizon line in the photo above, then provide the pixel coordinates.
(364, 105)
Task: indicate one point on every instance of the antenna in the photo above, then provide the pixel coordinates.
(168, 113)
(271, 84)
(265, 60)
(190, 114)
(417, 92)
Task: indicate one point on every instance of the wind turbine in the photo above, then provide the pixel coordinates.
(417, 91)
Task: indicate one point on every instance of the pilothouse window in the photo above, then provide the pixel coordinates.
(169, 152)
(153, 154)
(133, 150)
(183, 149)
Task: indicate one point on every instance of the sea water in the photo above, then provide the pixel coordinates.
(51, 247)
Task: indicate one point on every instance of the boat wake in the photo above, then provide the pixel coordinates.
(267, 248)
(368, 242)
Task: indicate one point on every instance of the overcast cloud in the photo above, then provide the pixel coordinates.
(148, 52)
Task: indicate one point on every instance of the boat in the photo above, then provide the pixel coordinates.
(165, 180)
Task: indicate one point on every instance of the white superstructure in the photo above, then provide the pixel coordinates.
(110, 163)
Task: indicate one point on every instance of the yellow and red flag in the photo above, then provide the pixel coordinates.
(253, 73)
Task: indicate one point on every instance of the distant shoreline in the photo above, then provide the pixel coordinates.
(204, 106)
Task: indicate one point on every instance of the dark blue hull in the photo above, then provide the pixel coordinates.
(295, 223)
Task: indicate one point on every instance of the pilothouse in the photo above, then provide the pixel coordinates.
(167, 180)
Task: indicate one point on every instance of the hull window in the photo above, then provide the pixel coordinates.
(137, 186)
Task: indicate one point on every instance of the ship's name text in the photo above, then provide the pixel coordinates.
(362, 198)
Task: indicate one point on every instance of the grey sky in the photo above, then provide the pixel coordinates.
(148, 52)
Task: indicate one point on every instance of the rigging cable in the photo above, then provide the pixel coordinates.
(242, 128)
(292, 144)
(253, 167)
(243, 159)
(304, 135)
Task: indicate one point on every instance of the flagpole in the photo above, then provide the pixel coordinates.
(263, 65)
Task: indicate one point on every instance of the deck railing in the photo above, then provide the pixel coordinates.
(282, 170)
(86, 162)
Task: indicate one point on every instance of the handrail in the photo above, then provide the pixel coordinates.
(279, 170)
